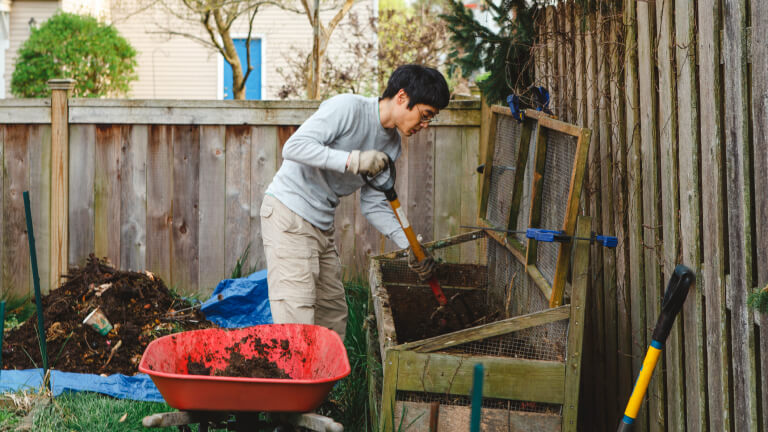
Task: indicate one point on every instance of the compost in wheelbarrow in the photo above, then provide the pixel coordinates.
(313, 357)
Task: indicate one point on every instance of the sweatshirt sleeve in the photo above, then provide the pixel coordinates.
(309, 145)
(377, 210)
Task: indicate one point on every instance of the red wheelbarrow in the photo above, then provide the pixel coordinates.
(314, 357)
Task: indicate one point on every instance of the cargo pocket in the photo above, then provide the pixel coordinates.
(292, 274)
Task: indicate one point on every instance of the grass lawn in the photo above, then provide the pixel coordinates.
(347, 403)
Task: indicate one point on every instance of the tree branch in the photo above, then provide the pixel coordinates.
(339, 16)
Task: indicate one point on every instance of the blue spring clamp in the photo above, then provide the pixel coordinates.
(550, 236)
(513, 101)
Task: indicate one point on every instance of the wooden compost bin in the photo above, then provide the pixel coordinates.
(529, 333)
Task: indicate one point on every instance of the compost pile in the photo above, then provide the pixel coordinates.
(138, 305)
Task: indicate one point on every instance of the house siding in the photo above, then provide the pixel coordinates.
(21, 13)
(179, 68)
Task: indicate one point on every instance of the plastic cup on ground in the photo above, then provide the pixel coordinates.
(98, 321)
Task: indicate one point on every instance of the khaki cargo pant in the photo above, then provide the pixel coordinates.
(303, 270)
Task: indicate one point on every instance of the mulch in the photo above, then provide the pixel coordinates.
(138, 304)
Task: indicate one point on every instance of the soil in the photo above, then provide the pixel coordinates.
(139, 306)
(238, 365)
(416, 314)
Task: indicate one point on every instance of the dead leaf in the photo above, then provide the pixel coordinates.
(122, 419)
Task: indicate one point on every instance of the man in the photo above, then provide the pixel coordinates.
(347, 137)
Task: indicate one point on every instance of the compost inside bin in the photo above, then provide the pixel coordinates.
(416, 312)
(239, 365)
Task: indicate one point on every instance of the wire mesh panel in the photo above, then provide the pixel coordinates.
(502, 174)
(456, 400)
(525, 201)
(558, 170)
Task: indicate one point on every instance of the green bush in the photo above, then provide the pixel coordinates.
(73, 46)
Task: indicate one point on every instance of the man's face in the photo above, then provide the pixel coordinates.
(415, 118)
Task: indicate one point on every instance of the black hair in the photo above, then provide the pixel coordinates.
(424, 85)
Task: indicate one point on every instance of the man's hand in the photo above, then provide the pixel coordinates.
(368, 163)
(424, 268)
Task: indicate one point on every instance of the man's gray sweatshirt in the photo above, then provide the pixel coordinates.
(313, 175)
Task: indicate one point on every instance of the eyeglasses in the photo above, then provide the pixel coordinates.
(423, 118)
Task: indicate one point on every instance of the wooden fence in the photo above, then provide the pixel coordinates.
(175, 187)
(676, 94)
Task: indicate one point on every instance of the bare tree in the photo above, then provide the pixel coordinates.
(216, 18)
(321, 36)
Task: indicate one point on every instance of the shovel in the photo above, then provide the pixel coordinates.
(386, 184)
(677, 291)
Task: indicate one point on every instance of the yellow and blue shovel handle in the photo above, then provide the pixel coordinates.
(641, 386)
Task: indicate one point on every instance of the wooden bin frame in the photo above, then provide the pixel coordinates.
(417, 366)
(527, 254)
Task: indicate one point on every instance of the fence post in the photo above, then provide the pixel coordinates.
(59, 178)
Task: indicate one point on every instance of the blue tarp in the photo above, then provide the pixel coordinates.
(234, 303)
(240, 302)
(138, 387)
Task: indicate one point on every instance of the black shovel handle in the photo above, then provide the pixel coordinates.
(389, 186)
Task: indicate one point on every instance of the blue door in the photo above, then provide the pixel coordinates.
(253, 85)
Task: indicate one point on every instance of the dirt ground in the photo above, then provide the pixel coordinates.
(139, 306)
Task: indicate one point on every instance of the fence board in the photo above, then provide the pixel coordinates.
(159, 200)
(561, 92)
(401, 182)
(344, 224)
(16, 268)
(540, 52)
(651, 233)
(570, 69)
(470, 252)
(238, 187)
(447, 211)
(619, 157)
(40, 192)
(605, 175)
(593, 201)
(186, 202)
(212, 206)
(551, 57)
(106, 191)
(760, 152)
(740, 239)
(368, 240)
(675, 396)
(713, 216)
(690, 212)
(133, 211)
(421, 183)
(264, 151)
(82, 143)
(634, 192)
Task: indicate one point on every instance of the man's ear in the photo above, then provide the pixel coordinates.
(401, 96)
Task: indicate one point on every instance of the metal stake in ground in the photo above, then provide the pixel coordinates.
(36, 281)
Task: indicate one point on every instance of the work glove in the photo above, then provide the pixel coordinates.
(368, 163)
(424, 268)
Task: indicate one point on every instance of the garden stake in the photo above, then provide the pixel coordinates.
(36, 281)
(477, 399)
(677, 290)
